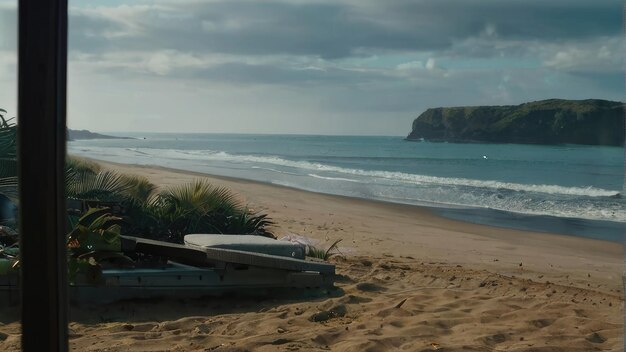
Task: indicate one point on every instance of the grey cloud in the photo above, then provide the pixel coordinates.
(521, 20)
(294, 58)
(276, 73)
(272, 74)
(324, 30)
(478, 87)
(89, 32)
(334, 30)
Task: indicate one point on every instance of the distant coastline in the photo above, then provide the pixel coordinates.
(74, 135)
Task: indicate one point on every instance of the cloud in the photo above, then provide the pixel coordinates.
(430, 64)
(605, 54)
(350, 60)
(418, 65)
(335, 29)
(411, 65)
(291, 42)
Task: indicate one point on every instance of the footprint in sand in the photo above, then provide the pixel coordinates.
(541, 323)
(495, 339)
(596, 338)
(352, 299)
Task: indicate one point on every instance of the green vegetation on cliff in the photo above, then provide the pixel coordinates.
(553, 121)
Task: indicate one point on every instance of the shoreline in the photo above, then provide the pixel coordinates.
(416, 228)
(541, 196)
(445, 212)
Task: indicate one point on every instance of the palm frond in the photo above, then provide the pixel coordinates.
(8, 167)
(103, 186)
(140, 189)
(245, 222)
(8, 187)
(201, 197)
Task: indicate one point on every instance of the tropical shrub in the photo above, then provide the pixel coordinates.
(196, 207)
(94, 241)
(140, 189)
(96, 231)
(168, 215)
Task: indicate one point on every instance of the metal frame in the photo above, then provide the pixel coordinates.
(42, 70)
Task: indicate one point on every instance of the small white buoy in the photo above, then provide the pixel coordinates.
(484, 157)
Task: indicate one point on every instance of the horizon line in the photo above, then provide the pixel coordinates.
(243, 133)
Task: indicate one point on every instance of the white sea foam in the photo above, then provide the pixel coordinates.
(397, 176)
(275, 170)
(333, 178)
(393, 176)
(537, 199)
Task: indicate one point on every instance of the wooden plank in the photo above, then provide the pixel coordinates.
(219, 256)
(175, 280)
(266, 260)
(173, 251)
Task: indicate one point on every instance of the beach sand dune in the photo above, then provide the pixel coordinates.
(408, 280)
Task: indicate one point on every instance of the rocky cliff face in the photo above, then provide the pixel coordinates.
(554, 121)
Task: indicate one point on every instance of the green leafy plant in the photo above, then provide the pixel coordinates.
(140, 189)
(195, 207)
(315, 252)
(86, 180)
(94, 240)
(9, 259)
(96, 230)
(102, 186)
(248, 222)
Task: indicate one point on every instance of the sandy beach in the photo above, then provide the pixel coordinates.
(408, 280)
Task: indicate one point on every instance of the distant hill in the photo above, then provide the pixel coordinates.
(553, 121)
(73, 135)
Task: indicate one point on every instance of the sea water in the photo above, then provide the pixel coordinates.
(569, 189)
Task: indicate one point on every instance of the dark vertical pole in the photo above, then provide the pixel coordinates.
(42, 65)
(624, 107)
(624, 187)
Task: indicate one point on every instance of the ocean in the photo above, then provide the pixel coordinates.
(567, 189)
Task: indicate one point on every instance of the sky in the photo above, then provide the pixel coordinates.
(353, 67)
